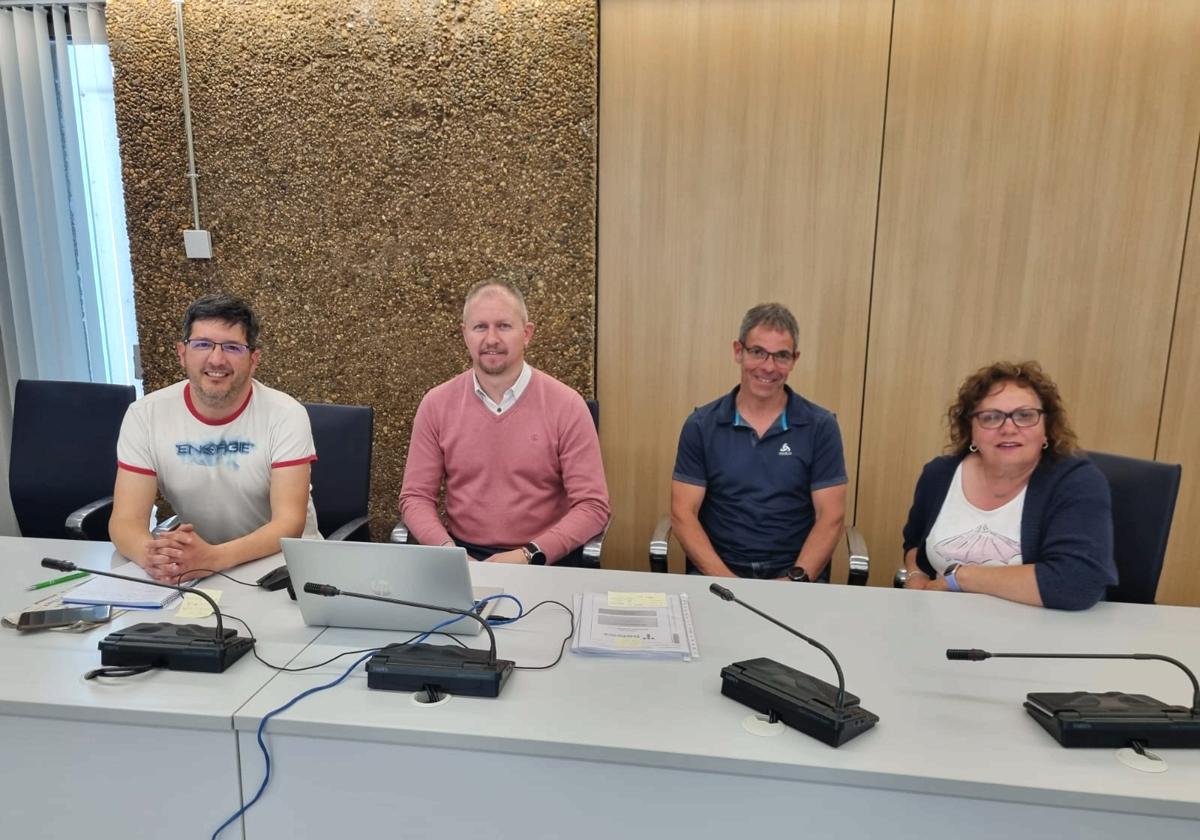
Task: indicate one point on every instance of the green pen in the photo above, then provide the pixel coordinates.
(56, 581)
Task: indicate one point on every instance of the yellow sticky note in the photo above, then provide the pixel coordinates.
(649, 600)
(627, 643)
(194, 606)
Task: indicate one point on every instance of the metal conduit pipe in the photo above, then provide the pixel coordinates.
(187, 115)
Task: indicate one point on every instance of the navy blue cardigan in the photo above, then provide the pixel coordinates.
(1066, 527)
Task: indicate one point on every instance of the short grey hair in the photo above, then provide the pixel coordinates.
(775, 316)
(497, 284)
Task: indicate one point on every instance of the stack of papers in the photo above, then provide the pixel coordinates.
(650, 624)
(123, 593)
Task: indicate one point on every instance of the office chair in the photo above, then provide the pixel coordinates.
(63, 461)
(1143, 505)
(341, 475)
(859, 562)
(591, 549)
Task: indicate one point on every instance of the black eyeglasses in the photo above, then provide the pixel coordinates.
(1021, 417)
(781, 357)
(205, 345)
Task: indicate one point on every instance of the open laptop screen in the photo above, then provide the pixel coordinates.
(425, 573)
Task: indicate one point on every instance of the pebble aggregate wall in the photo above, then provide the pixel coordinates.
(362, 163)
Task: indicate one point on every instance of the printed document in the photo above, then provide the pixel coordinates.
(634, 624)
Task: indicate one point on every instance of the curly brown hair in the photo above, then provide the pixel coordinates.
(986, 380)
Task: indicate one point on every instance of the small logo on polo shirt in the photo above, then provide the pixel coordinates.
(785, 450)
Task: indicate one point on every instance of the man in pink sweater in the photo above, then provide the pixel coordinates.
(516, 449)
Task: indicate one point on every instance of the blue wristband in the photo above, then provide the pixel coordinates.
(951, 583)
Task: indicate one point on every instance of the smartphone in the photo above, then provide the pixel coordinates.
(62, 617)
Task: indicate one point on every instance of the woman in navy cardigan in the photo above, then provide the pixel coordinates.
(1014, 511)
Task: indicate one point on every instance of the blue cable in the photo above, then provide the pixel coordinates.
(308, 691)
(263, 723)
(500, 622)
(263, 746)
(495, 622)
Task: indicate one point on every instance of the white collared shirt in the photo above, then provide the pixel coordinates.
(509, 397)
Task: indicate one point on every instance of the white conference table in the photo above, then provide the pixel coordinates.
(604, 747)
(595, 746)
(123, 757)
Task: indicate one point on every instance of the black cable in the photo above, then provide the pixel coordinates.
(179, 577)
(561, 649)
(254, 650)
(115, 671)
(449, 636)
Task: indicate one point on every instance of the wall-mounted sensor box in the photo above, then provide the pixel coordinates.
(197, 245)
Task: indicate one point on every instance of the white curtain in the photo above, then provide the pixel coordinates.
(56, 240)
(66, 299)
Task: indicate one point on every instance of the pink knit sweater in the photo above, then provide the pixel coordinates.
(532, 473)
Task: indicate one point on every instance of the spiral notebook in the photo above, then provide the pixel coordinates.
(124, 593)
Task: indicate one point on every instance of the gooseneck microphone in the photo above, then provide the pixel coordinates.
(67, 566)
(977, 655)
(435, 669)
(177, 647)
(1105, 719)
(725, 595)
(331, 591)
(802, 701)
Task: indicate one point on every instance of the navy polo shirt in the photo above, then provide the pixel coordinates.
(758, 491)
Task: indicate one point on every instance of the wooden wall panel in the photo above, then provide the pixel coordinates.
(1178, 440)
(1037, 171)
(739, 162)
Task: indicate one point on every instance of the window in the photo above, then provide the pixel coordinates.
(102, 206)
(66, 296)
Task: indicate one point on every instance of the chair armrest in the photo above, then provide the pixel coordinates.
(660, 542)
(860, 559)
(81, 523)
(399, 533)
(900, 579)
(351, 528)
(592, 548)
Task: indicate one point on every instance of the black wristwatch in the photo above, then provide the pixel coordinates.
(796, 574)
(534, 555)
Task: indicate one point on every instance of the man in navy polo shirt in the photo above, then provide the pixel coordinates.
(759, 488)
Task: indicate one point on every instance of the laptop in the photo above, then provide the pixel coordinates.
(427, 574)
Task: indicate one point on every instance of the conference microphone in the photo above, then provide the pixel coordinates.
(800, 700)
(1106, 719)
(176, 647)
(435, 669)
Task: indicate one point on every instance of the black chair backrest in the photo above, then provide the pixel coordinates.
(341, 475)
(64, 450)
(1143, 504)
(594, 408)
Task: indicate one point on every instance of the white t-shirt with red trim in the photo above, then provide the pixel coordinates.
(216, 474)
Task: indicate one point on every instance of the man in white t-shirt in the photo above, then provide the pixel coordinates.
(230, 455)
